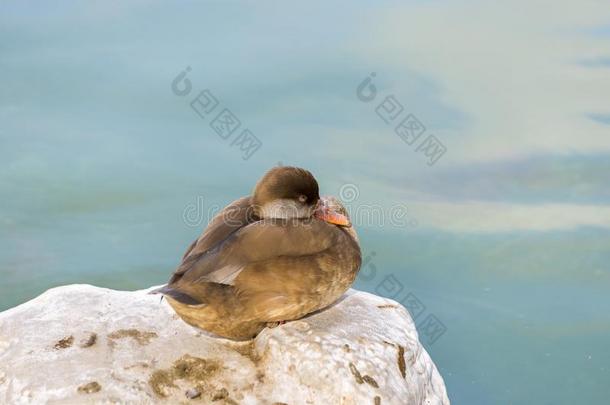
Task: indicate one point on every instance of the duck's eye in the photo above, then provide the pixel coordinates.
(302, 198)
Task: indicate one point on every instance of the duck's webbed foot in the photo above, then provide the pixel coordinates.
(275, 324)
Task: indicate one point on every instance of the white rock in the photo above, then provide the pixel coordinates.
(82, 344)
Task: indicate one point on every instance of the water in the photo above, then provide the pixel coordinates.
(106, 175)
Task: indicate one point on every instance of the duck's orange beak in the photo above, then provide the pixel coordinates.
(332, 217)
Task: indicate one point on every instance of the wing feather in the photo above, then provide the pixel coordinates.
(233, 217)
(259, 241)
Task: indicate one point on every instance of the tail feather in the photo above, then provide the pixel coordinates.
(176, 294)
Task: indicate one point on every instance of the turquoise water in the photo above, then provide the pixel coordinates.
(106, 175)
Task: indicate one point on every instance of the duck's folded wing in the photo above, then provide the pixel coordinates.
(233, 217)
(256, 242)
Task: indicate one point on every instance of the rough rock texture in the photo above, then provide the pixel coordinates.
(82, 344)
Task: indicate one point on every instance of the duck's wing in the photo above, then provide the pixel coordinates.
(233, 217)
(257, 242)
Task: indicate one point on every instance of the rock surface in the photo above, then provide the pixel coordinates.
(82, 344)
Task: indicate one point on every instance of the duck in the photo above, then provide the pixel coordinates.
(274, 256)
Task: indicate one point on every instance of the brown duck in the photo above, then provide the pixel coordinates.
(275, 256)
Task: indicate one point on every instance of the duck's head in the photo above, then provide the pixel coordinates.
(286, 192)
(290, 192)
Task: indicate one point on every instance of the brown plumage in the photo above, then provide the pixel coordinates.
(275, 256)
